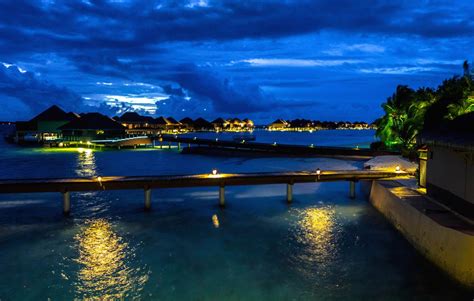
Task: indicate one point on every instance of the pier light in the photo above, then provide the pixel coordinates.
(243, 140)
(318, 171)
(397, 169)
(88, 143)
(311, 145)
(274, 143)
(214, 172)
(357, 147)
(194, 138)
(217, 139)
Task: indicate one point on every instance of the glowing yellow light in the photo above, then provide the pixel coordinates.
(214, 172)
(316, 234)
(397, 168)
(318, 171)
(104, 274)
(99, 179)
(61, 144)
(88, 143)
(215, 221)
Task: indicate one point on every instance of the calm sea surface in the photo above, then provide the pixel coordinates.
(324, 246)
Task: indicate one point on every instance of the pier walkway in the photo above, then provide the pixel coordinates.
(276, 148)
(67, 185)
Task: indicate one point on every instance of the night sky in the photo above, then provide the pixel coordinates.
(326, 60)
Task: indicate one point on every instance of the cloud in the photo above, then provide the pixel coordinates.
(35, 95)
(135, 27)
(261, 62)
(397, 70)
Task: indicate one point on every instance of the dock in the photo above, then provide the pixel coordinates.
(274, 148)
(67, 185)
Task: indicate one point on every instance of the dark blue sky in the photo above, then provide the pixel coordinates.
(327, 60)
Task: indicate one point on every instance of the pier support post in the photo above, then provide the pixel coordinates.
(66, 202)
(222, 196)
(352, 193)
(189, 145)
(147, 199)
(179, 145)
(169, 145)
(289, 193)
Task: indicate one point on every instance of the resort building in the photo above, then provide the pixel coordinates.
(278, 125)
(449, 168)
(187, 123)
(202, 124)
(167, 125)
(92, 126)
(43, 127)
(136, 124)
(220, 124)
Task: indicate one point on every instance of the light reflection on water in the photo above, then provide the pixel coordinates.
(104, 259)
(315, 238)
(86, 166)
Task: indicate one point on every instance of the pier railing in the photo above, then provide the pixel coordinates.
(67, 185)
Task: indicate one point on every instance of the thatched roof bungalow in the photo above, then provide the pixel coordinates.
(92, 126)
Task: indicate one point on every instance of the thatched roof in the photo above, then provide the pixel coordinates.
(219, 121)
(135, 117)
(53, 113)
(202, 123)
(93, 121)
(187, 121)
(172, 120)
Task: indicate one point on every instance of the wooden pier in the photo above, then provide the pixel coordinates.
(275, 148)
(67, 185)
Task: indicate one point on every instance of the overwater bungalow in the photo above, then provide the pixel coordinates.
(220, 124)
(202, 124)
(44, 127)
(92, 126)
(188, 123)
(137, 124)
(447, 164)
(278, 125)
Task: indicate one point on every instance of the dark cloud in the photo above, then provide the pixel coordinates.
(130, 40)
(226, 96)
(75, 26)
(37, 95)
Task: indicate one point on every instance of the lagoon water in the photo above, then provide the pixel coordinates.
(323, 246)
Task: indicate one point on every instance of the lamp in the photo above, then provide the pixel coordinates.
(214, 172)
(397, 169)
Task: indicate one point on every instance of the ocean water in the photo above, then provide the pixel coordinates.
(324, 246)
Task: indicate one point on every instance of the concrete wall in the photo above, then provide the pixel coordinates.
(449, 249)
(452, 171)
